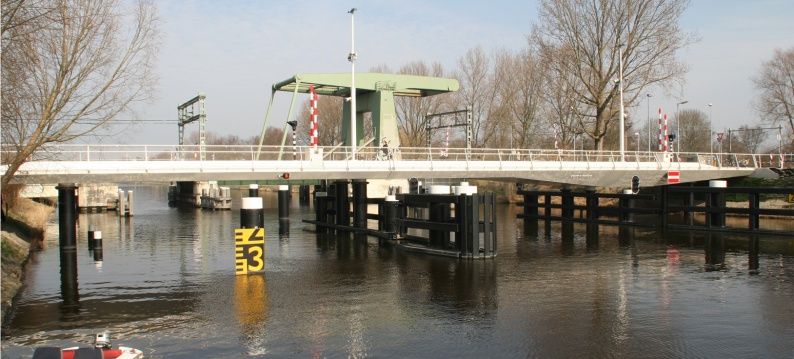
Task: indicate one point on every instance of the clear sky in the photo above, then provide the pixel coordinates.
(234, 51)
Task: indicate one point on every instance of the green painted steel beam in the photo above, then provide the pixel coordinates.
(338, 84)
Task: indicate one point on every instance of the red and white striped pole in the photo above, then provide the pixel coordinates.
(666, 136)
(313, 118)
(661, 133)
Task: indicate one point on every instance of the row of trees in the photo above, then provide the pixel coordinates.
(561, 87)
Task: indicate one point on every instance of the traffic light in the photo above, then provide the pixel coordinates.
(635, 184)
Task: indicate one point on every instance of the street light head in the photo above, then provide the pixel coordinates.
(648, 95)
(683, 102)
(352, 11)
(709, 105)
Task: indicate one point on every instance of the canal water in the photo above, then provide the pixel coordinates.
(166, 285)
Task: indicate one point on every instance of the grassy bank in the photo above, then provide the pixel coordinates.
(23, 231)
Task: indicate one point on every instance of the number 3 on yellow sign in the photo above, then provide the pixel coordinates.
(256, 255)
(249, 250)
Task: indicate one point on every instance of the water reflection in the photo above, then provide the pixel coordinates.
(167, 285)
(714, 252)
(250, 300)
(69, 290)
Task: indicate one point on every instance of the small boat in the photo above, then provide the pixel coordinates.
(101, 350)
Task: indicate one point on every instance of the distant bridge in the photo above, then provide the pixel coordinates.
(162, 163)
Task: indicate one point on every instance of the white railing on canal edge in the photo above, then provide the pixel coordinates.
(103, 152)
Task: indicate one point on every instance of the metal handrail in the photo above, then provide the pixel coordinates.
(109, 152)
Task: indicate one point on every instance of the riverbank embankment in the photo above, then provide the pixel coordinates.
(23, 229)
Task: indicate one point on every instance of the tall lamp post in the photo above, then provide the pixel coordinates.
(711, 140)
(622, 110)
(678, 124)
(352, 58)
(648, 101)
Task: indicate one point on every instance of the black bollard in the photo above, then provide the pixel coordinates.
(253, 190)
(360, 203)
(626, 203)
(342, 204)
(283, 202)
(753, 249)
(663, 208)
(717, 203)
(251, 213)
(754, 218)
(303, 195)
(97, 246)
(90, 237)
(531, 215)
(69, 290)
(389, 217)
(567, 205)
(625, 236)
(67, 223)
(283, 228)
(321, 209)
(715, 251)
(439, 212)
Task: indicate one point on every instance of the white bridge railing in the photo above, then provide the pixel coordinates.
(102, 152)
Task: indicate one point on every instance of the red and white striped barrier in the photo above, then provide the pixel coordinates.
(313, 118)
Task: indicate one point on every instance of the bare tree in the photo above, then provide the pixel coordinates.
(70, 67)
(694, 136)
(477, 91)
(525, 95)
(329, 113)
(746, 139)
(590, 35)
(776, 83)
(412, 111)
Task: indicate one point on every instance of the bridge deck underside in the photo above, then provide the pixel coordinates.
(601, 174)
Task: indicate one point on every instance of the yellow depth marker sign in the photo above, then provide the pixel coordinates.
(249, 250)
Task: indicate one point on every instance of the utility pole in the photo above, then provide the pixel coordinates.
(678, 123)
(352, 58)
(622, 111)
(648, 101)
(711, 140)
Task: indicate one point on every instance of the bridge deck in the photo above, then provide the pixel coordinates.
(95, 163)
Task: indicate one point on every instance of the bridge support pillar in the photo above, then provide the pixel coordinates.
(530, 214)
(360, 203)
(547, 207)
(342, 203)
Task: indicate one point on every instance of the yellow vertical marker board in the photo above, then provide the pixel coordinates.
(249, 250)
